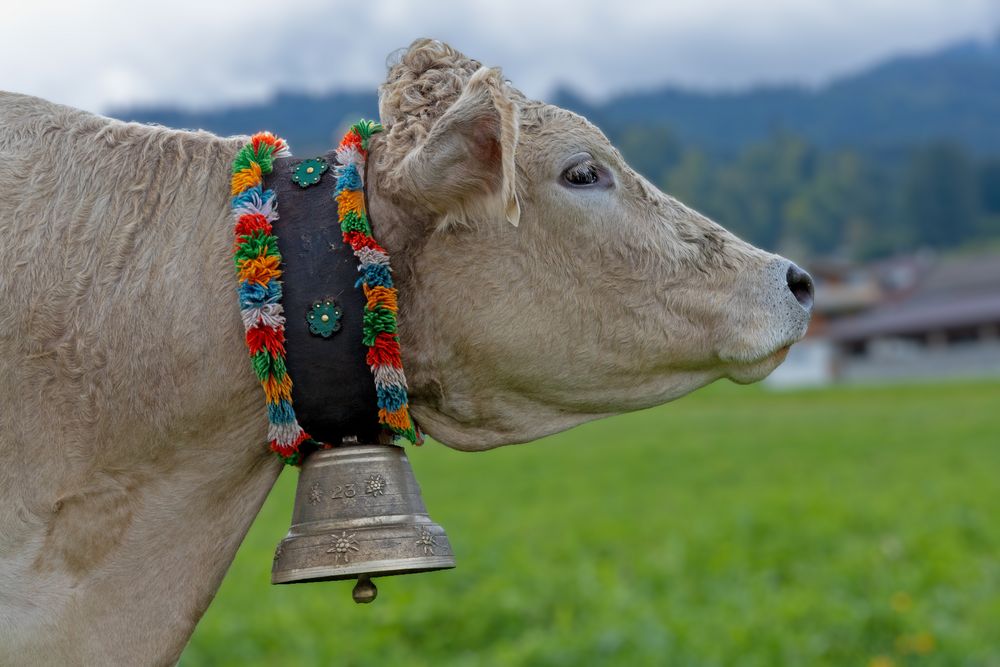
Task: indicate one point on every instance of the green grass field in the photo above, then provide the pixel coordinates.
(738, 526)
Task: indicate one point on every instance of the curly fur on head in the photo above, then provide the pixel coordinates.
(423, 83)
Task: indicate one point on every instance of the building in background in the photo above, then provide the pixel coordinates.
(908, 318)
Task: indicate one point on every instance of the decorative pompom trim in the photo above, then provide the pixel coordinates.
(258, 268)
(379, 333)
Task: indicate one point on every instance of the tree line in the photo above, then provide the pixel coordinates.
(786, 194)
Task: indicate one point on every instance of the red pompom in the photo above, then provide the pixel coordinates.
(266, 138)
(260, 337)
(248, 223)
(288, 450)
(385, 351)
(358, 240)
(352, 138)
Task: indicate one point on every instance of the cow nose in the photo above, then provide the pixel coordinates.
(801, 285)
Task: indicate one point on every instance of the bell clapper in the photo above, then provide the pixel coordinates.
(365, 590)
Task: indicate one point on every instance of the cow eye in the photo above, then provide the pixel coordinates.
(583, 174)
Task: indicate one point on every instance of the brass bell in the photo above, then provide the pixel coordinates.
(358, 513)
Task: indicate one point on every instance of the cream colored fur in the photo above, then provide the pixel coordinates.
(131, 431)
(131, 425)
(602, 301)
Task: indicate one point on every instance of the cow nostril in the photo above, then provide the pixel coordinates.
(801, 285)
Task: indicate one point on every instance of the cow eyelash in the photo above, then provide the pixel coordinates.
(583, 174)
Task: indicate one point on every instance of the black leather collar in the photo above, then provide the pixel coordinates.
(333, 390)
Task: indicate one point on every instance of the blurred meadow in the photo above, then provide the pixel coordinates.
(738, 526)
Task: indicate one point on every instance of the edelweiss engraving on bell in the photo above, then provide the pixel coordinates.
(315, 494)
(343, 545)
(358, 513)
(427, 541)
(375, 486)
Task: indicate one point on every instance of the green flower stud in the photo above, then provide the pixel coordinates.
(324, 318)
(308, 172)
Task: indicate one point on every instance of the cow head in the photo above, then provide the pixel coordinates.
(543, 282)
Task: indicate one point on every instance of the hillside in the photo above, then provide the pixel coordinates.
(952, 94)
(308, 122)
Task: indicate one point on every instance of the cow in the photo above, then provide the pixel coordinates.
(543, 283)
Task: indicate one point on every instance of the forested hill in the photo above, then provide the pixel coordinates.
(307, 122)
(952, 94)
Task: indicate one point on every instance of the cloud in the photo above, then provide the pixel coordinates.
(193, 53)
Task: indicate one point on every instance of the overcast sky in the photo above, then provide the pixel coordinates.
(97, 54)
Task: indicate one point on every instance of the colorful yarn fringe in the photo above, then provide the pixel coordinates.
(258, 265)
(376, 280)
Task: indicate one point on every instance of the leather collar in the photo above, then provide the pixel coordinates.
(333, 391)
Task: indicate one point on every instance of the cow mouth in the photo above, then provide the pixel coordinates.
(758, 369)
(776, 357)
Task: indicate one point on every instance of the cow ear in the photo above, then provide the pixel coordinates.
(466, 161)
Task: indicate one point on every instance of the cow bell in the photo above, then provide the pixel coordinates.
(358, 514)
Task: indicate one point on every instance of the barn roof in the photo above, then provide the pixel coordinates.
(957, 293)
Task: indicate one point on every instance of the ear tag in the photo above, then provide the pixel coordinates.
(324, 318)
(309, 172)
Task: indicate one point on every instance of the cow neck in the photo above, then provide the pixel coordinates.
(307, 312)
